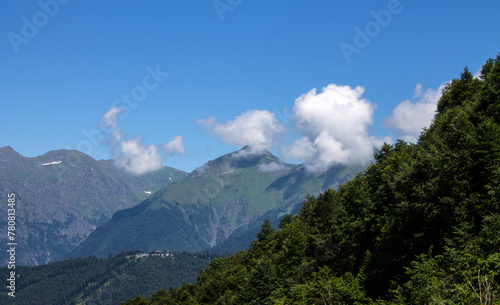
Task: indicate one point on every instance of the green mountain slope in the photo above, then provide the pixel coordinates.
(226, 196)
(64, 195)
(419, 226)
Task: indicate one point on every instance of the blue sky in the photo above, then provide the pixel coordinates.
(238, 71)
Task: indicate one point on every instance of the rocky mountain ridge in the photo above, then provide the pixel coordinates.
(224, 200)
(63, 195)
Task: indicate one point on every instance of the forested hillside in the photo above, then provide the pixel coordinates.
(94, 281)
(419, 226)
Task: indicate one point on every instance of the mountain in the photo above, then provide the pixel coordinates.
(225, 199)
(419, 226)
(63, 195)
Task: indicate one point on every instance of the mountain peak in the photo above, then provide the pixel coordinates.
(249, 151)
(6, 148)
(8, 152)
(243, 158)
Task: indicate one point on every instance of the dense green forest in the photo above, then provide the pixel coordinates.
(419, 226)
(93, 281)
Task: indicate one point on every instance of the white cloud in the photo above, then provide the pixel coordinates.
(301, 149)
(132, 155)
(478, 73)
(256, 128)
(137, 158)
(410, 118)
(272, 167)
(109, 125)
(334, 126)
(110, 118)
(175, 146)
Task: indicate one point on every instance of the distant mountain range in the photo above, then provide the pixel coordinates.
(219, 206)
(63, 195)
(70, 205)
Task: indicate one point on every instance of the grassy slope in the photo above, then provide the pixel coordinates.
(207, 207)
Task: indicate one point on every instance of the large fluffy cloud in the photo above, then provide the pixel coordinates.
(256, 128)
(334, 128)
(131, 154)
(409, 118)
